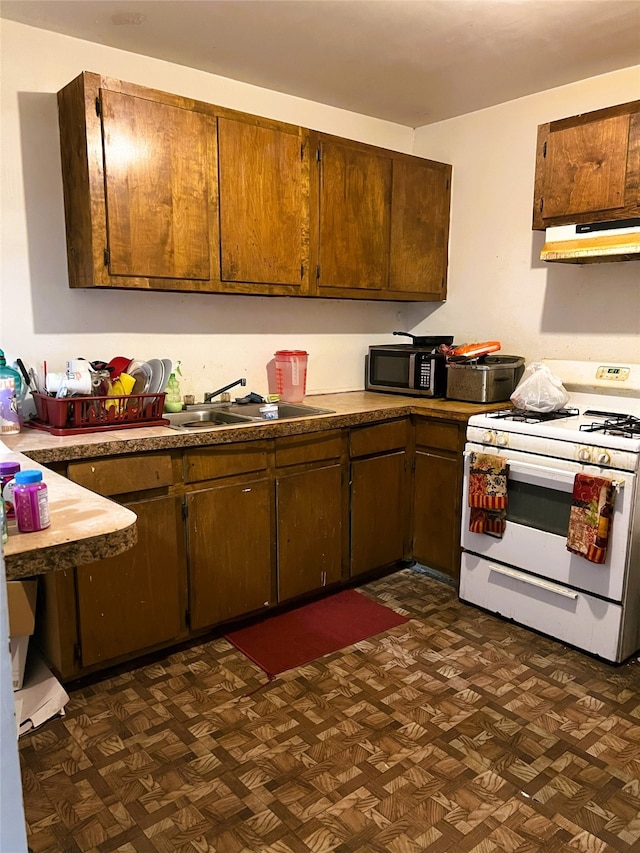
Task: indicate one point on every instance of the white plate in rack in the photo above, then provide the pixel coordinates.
(157, 376)
(142, 374)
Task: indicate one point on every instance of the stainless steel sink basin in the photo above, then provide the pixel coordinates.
(285, 410)
(205, 418)
(210, 415)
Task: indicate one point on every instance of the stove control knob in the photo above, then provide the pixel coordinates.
(584, 454)
(603, 458)
(501, 440)
(488, 437)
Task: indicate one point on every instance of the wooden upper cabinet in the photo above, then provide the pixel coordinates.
(383, 223)
(155, 177)
(588, 167)
(420, 227)
(354, 216)
(163, 192)
(264, 203)
(139, 187)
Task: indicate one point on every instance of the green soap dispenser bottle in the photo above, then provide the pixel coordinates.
(173, 400)
(10, 398)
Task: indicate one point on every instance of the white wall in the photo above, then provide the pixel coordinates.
(498, 287)
(217, 338)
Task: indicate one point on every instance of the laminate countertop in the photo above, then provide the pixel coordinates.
(87, 527)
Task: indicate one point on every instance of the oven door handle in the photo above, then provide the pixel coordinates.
(542, 472)
(546, 585)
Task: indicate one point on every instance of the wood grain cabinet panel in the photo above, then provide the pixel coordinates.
(437, 490)
(230, 545)
(264, 203)
(355, 216)
(163, 192)
(135, 601)
(379, 512)
(588, 167)
(140, 192)
(420, 206)
(310, 530)
(156, 186)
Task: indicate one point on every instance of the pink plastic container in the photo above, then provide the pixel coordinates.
(291, 374)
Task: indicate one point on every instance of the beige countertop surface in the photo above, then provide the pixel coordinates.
(86, 527)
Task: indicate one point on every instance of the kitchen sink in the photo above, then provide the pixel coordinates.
(285, 410)
(205, 418)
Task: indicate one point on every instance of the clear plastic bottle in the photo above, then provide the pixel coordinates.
(10, 398)
(31, 501)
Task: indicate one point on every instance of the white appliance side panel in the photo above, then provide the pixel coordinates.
(572, 617)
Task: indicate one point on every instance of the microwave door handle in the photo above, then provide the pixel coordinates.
(543, 471)
(412, 371)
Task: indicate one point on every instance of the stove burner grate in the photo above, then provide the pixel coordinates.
(527, 417)
(625, 426)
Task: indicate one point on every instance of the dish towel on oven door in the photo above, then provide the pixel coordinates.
(590, 517)
(488, 494)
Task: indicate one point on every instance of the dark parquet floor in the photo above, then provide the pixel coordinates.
(453, 733)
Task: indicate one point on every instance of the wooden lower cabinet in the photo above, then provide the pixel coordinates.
(232, 530)
(230, 537)
(310, 530)
(136, 600)
(437, 490)
(311, 511)
(380, 497)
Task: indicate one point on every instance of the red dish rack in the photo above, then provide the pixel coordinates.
(76, 415)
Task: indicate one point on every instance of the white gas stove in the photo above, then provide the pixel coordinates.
(599, 425)
(528, 574)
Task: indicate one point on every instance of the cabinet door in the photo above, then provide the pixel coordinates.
(436, 518)
(379, 511)
(310, 530)
(354, 224)
(420, 227)
(230, 551)
(136, 600)
(588, 167)
(158, 209)
(264, 203)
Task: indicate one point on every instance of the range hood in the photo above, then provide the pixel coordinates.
(593, 243)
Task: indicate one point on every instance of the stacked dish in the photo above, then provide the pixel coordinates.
(151, 376)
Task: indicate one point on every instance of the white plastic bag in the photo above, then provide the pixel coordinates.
(539, 390)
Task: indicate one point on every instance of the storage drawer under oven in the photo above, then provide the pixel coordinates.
(577, 618)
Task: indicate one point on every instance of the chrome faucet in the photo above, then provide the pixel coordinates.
(208, 397)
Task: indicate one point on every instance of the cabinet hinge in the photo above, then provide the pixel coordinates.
(98, 107)
(447, 187)
(541, 204)
(318, 273)
(318, 154)
(107, 257)
(302, 150)
(185, 510)
(544, 149)
(77, 652)
(301, 271)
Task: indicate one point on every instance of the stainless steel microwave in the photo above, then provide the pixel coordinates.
(406, 369)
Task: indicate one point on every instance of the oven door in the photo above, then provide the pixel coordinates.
(535, 540)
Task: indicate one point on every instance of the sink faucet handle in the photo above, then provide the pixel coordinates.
(209, 396)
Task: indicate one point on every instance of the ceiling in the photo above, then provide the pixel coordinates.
(413, 62)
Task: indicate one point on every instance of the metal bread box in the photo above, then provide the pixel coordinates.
(490, 379)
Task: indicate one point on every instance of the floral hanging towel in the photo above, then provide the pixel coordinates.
(590, 517)
(488, 494)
